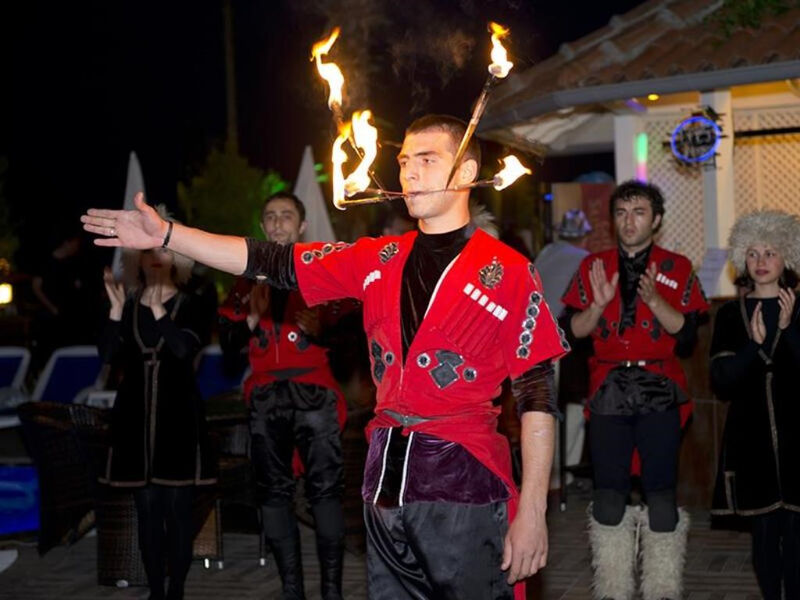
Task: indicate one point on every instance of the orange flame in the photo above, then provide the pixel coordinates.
(500, 64)
(338, 158)
(330, 72)
(366, 138)
(511, 171)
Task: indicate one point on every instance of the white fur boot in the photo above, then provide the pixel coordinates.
(663, 558)
(613, 556)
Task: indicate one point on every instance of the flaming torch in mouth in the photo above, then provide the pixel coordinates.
(366, 139)
(498, 69)
(500, 64)
(362, 136)
(511, 171)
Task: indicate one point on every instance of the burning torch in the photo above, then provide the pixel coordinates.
(511, 171)
(366, 147)
(498, 69)
(363, 136)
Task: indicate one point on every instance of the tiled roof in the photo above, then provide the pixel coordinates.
(657, 39)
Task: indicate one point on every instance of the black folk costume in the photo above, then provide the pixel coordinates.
(295, 403)
(637, 403)
(159, 443)
(448, 317)
(759, 465)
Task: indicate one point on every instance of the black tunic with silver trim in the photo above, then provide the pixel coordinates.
(759, 464)
(158, 426)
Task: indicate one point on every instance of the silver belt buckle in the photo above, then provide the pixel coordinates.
(633, 363)
(406, 420)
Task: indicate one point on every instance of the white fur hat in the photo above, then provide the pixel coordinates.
(776, 228)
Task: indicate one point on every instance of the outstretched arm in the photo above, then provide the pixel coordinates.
(142, 228)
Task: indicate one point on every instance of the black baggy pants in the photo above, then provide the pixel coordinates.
(436, 551)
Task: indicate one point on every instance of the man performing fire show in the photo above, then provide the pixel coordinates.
(449, 313)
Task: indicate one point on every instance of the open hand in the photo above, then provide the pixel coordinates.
(153, 296)
(115, 292)
(647, 286)
(757, 325)
(603, 290)
(141, 228)
(308, 321)
(259, 299)
(786, 299)
(525, 546)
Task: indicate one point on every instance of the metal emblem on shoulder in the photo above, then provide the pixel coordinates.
(492, 274)
(387, 252)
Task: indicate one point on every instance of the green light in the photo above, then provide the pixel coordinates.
(641, 156)
(641, 148)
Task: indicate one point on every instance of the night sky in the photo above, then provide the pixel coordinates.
(92, 80)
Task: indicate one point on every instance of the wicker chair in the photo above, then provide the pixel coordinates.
(118, 557)
(238, 504)
(69, 445)
(236, 486)
(65, 472)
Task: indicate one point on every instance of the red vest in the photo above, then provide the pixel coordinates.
(487, 321)
(676, 282)
(281, 347)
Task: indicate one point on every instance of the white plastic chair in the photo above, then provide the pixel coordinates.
(14, 363)
(70, 373)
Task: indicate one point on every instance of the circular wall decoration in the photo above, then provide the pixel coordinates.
(695, 140)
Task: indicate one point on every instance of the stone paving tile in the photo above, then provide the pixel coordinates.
(718, 561)
(718, 567)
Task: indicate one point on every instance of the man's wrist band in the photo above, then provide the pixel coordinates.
(169, 234)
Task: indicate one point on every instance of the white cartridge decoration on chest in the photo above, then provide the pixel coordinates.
(482, 299)
(371, 278)
(670, 283)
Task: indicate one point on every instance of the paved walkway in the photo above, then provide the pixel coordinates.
(718, 567)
